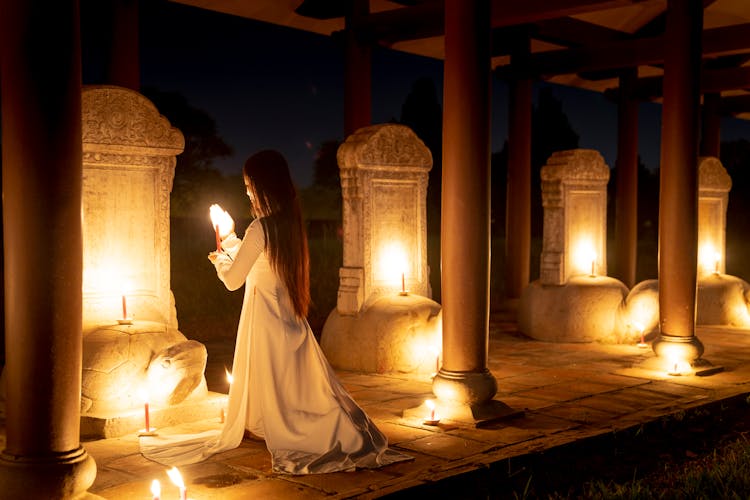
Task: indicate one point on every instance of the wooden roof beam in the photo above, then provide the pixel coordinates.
(630, 53)
(712, 81)
(427, 19)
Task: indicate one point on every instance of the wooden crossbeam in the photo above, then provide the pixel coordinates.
(630, 53)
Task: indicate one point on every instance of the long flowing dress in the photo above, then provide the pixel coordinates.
(283, 388)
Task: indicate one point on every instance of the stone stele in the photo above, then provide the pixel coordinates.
(132, 349)
(574, 300)
(384, 321)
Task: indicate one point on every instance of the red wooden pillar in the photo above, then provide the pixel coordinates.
(357, 71)
(465, 222)
(626, 201)
(678, 192)
(123, 62)
(711, 125)
(518, 187)
(42, 172)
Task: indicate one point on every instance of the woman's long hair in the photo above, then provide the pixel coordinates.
(277, 205)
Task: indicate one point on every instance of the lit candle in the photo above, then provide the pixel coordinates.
(144, 397)
(640, 328)
(176, 478)
(218, 238)
(593, 264)
(717, 259)
(156, 489)
(431, 405)
(146, 416)
(403, 283)
(124, 307)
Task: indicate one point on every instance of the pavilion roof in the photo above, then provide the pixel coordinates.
(580, 43)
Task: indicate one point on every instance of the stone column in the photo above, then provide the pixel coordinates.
(41, 137)
(518, 198)
(711, 125)
(357, 71)
(678, 192)
(465, 226)
(626, 201)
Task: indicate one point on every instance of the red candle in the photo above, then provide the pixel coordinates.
(218, 238)
(145, 412)
(403, 283)
(124, 307)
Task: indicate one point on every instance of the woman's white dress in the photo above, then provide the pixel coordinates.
(283, 390)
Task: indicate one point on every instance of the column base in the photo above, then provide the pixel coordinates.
(59, 475)
(469, 388)
(676, 349)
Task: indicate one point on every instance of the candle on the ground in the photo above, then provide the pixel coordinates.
(431, 405)
(176, 478)
(124, 307)
(403, 283)
(156, 489)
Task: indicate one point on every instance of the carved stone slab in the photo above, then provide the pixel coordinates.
(384, 170)
(574, 197)
(129, 152)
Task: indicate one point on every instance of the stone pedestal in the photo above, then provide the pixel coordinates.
(384, 318)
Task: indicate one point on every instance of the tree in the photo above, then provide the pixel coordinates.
(197, 182)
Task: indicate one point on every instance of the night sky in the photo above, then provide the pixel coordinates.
(269, 86)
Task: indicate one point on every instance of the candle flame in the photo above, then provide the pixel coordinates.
(143, 394)
(430, 404)
(155, 488)
(639, 326)
(221, 218)
(230, 378)
(176, 477)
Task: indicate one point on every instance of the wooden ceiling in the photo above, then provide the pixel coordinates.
(580, 43)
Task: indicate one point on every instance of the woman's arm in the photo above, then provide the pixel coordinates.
(234, 272)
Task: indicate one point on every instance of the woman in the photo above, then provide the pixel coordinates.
(283, 388)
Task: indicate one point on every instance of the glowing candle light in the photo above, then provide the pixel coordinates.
(221, 221)
(717, 259)
(403, 283)
(230, 379)
(176, 478)
(431, 418)
(593, 263)
(640, 328)
(156, 489)
(124, 307)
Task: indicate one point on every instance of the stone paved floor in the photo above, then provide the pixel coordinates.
(568, 392)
